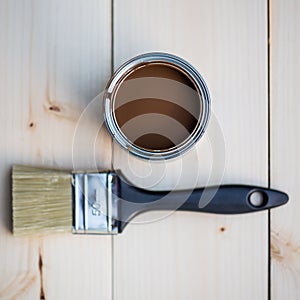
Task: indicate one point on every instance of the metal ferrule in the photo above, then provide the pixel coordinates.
(95, 206)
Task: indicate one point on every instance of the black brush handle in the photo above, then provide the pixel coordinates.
(224, 199)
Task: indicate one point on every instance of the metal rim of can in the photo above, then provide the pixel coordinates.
(117, 79)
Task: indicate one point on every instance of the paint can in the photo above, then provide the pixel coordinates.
(157, 106)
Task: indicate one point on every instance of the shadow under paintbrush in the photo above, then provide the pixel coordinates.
(6, 188)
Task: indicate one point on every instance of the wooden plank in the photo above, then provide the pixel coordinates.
(190, 255)
(55, 58)
(285, 147)
(19, 272)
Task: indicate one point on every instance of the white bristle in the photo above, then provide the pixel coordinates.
(42, 201)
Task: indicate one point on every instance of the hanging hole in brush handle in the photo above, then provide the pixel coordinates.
(258, 198)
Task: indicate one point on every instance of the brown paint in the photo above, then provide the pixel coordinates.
(174, 101)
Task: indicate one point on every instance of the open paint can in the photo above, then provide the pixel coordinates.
(157, 106)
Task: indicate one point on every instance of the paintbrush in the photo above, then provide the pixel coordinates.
(48, 201)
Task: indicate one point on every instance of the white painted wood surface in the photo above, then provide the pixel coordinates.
(55, 58)
(285, 147)
(188, 255)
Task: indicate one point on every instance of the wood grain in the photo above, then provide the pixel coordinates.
(285, 147)
(55, 58)
(190, 255)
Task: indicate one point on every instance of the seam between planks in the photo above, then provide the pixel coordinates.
(269, 11)
(112, 152)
